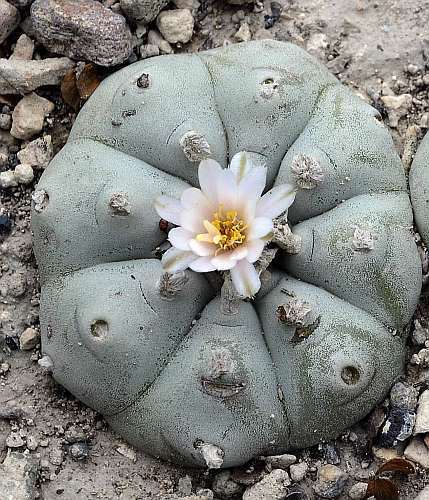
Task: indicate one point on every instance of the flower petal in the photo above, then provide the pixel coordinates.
(194, 199)
(180, 237)
(223, 261)
(227, 190)
(209, 173)
(239, 253)
(245, 278)
(175, 260)
(250, 190)
(202, 265)
(276, 201)
(260, 227)
(254, 250)
(202, 248)
(168, 208)
(192, 221)
(240, 165)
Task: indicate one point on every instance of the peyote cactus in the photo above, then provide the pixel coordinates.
(173, 371)
(419, 187)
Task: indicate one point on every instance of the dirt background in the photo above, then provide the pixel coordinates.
(374, 47)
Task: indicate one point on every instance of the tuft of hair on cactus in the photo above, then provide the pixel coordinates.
(170, 284)
(284, 237)
(195, 146)
(220, 363)
(119, 204)
(294, 312)
(226, 224)
(306, 171)
(40, 199)
(213, 455)
(363, 239)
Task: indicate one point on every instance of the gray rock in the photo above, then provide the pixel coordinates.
(224, 487)
(24, 173)
(79, 451)
(5, 121)
(37, 153)
(155, 38)
(149, 50)
(142, 11)
(18, 474)
(330, 482)
(418, 452)
(9, 19)
(28, 116)
(56, 456)
(358, 491)
(14, 440)
(18, 76)
(280, 461)
(272, 487)
(298, 471)
(82, 29)
(422, 418)
(8, 179)
(24, 48)
(176, 26)
(404, 395)
(29, 337)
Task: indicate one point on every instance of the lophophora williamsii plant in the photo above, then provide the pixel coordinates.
(226, 255)
(419, 188)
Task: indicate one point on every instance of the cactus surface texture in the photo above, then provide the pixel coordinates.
(171, 371)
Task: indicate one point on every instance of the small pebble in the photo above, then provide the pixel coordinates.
(29, 339)
(358, 491)
(298, 471)
(24, 173)
(330, 482)
(176, 25)
(79, 451)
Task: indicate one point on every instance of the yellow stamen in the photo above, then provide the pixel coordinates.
(226, 231)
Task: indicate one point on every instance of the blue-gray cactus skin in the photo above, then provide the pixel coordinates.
(171, 375)
(419, 188)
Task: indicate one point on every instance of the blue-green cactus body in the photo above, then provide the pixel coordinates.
(173, 375)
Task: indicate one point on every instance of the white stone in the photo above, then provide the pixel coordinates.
(271, 487)
(18, 76)
(280, 461)
(418, 452)
(24, 173)
(358, 491)
(37, 153)
(149, 50)
(422, 417)
(298, 471)
(8, 179)
(243, 34)
(28, 339)
(24, 48)
(176, 26)
(28, 116)
(396, 102)
(155, 38)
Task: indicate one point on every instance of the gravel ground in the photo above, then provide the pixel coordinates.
(52, 446)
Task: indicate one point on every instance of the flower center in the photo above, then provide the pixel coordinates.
(227, 231)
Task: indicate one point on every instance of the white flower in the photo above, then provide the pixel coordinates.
(225, 224)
